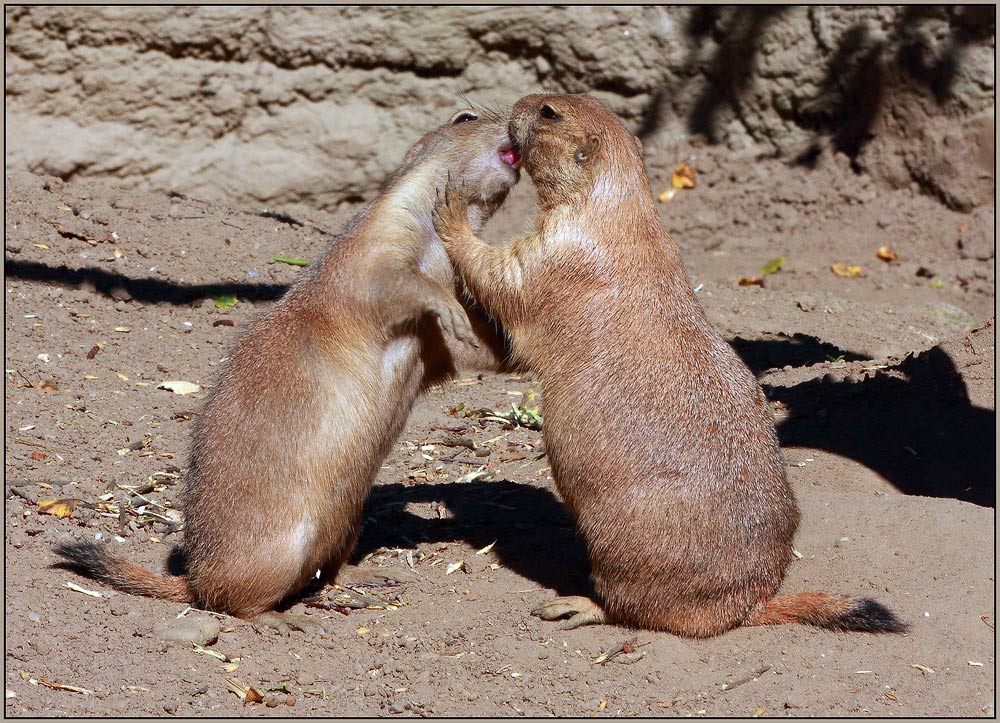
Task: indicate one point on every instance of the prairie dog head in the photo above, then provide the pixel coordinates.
(474, 149)
(575, 149)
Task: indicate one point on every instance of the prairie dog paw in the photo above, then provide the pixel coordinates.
(454, 318)
(451, 213)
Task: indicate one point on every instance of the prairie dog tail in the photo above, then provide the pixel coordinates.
(96, 562)
(835, 612)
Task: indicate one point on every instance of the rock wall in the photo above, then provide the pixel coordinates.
(315, 105)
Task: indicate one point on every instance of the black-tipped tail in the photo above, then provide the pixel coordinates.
(88, 559)
(96, 562)
(869, 616)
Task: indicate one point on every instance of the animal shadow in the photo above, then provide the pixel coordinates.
(145, 289)
(915, 426)
(533, 534)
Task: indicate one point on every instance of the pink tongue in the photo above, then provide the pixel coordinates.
(510, 156)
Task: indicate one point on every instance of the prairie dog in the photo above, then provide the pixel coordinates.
(315, 393)
(661, 442)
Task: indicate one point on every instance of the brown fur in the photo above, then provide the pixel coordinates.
(661, 442)
(316, 392)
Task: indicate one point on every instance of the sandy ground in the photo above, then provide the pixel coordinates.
(883, 391)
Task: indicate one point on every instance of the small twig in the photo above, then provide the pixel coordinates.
(627, 646)
(30, 443)
(189, 609)
(143, 497)
(85, 591)
(746, 679)
(455, 441)
(459, 460)
(40, 445)
(23, 495)
(233, 225)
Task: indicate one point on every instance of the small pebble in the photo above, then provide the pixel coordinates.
(290, 700)
(170, 706)
(304, 679)
(120, 294)
(806, 302)
(34, 617)
(271, 701)
(397, 707)
(200, 629)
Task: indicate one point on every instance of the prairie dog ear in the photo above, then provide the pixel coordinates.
(414, 151)
(588, 150)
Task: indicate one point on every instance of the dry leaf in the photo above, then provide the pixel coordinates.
(179, 387)
(886, 253)
(486, 549)
(667, 194)
(846, 270)
(57, 508)
(201, 650)
(751, 281)
(48, 385)
(683, 177)
(247, 694)
(455, 567)
(363, 631)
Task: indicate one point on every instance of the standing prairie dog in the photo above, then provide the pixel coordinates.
(315, 393)
(661, 442)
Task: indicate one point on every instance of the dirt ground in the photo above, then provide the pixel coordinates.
(883, 391)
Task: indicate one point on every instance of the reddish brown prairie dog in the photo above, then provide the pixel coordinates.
(660, 440)
(317, 390)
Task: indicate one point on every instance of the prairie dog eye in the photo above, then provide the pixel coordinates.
(463, 116)
(546, 111)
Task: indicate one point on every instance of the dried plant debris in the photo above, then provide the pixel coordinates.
(247, 693)
(518, 416)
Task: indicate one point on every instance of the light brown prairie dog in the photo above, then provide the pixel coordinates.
(317, 390)
(660, 440)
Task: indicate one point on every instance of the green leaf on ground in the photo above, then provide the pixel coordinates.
(291, 261)
(774, 266)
